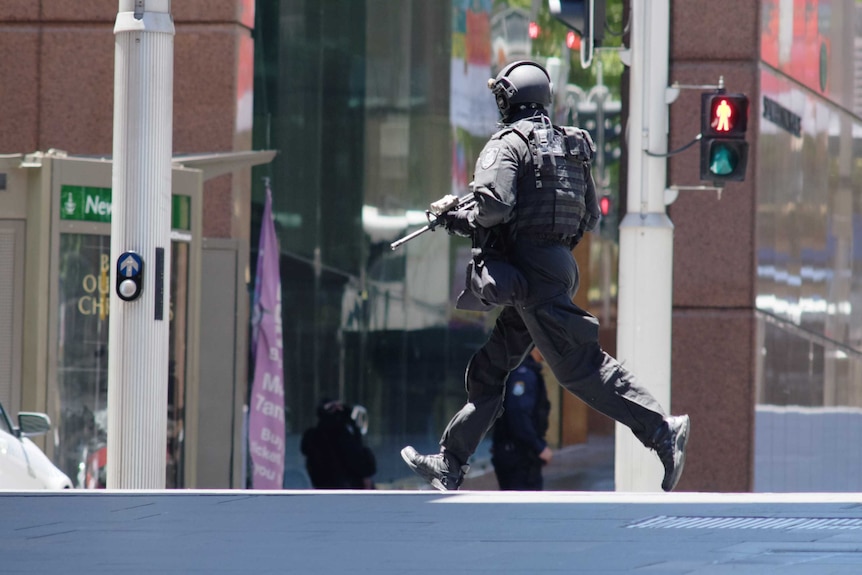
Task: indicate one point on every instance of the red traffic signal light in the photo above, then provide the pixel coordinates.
(605, 205)
(586, 17)
(723, 149)
(724, 115)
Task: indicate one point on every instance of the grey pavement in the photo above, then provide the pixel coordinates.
(425, 532)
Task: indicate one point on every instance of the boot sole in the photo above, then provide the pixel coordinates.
(681, 442)
(435, 483)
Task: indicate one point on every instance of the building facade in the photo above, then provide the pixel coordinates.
(56, 103)
(766, 326)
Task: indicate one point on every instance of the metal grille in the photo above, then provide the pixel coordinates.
(786, 523)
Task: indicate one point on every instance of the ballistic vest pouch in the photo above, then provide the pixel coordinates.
(491, 280)
(546, 145)
(579, 144)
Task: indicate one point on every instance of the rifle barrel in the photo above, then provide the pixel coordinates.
(397, 243)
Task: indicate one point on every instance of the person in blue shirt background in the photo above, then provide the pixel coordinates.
(519, 449)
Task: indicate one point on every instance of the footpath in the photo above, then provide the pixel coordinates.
(423, 532)
(578, 526)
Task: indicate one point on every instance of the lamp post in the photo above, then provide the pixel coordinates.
(645, 300)
(140, 245)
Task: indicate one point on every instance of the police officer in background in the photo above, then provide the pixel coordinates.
(519, 449)
(535, 198)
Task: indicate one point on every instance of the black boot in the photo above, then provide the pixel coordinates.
(669, 443)
(442, 470)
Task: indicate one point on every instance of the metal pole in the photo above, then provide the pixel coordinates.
(140, 226)
(646, 239)
(599, 94)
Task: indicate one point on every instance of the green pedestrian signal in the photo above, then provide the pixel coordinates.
(723, 149)
(724, 159)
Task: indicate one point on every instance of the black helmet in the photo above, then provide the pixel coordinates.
(522, 83)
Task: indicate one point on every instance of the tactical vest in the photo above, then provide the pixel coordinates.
(552, 205)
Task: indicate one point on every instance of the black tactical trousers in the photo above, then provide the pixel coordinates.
(525, 476)
(568, 338)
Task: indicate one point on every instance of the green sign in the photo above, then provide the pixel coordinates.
(86, 204)
(181, 213)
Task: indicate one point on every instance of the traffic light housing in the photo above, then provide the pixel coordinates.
(607, 222)
(586, 17)
(607, 141)
(723, 149)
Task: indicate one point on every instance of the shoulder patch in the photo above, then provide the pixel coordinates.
(518, 388)
(489, 158)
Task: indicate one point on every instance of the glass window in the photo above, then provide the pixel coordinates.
(82, 358)
(82, 354)
(809, 363)
(378, 108)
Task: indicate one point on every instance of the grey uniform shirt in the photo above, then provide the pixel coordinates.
(499, 167)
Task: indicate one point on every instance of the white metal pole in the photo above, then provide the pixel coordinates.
(140, 226)
(646, 239)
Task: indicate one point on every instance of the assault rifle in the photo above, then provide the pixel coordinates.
(434, 214)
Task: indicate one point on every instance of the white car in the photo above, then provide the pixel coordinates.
(22, 464)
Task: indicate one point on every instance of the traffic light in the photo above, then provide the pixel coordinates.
(605, 205)
(607, 222)
(723, 149)
(607, 141)
(586, 17)
(612, 132)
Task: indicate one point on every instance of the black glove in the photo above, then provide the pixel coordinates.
(457, 222)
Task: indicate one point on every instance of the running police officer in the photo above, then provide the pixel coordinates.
(535, 198)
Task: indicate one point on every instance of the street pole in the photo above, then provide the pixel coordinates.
(646, 239)
(140, 245)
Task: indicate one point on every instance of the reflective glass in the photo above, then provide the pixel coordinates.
(82, 359)
(377, 109)
(355, 96)
(809, 241)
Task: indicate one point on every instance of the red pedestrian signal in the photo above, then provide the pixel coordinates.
(724, 114)
(723, 149)
(533, 30)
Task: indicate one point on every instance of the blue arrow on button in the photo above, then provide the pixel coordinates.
(130, 264)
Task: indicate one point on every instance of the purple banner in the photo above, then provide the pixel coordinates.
(266, 410)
